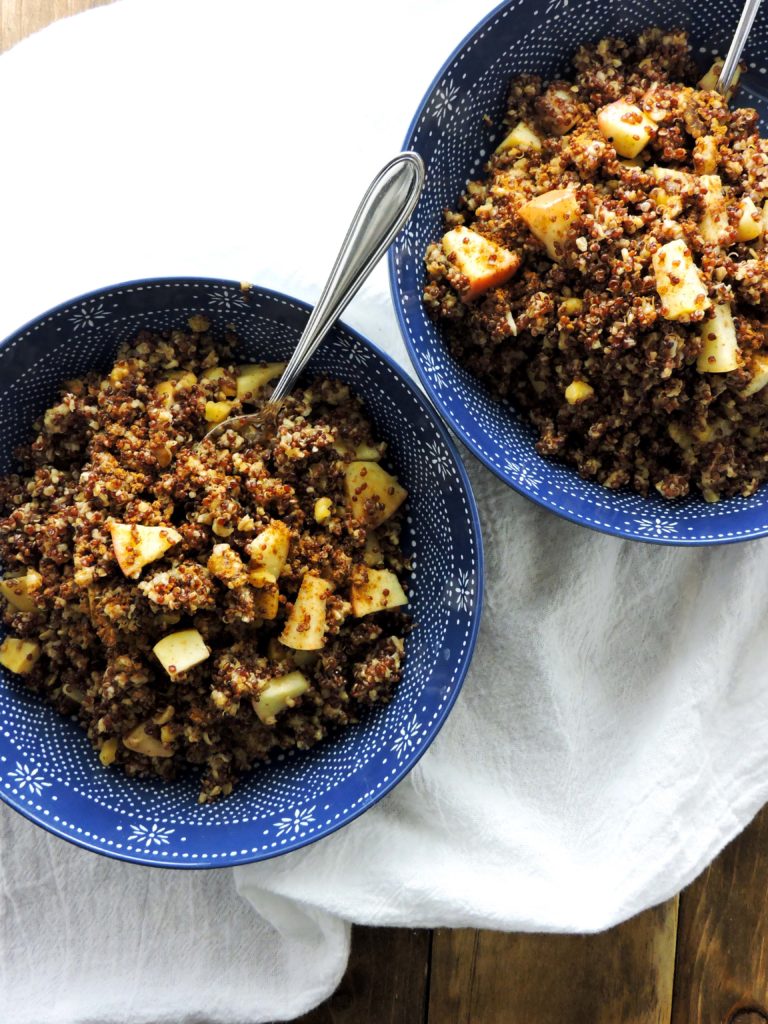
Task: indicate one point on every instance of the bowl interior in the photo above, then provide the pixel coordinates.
(449, 131)
(48, 770)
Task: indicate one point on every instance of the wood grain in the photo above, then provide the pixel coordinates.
(623, 976)
(386, 980)
(722, 956)
(19, 18)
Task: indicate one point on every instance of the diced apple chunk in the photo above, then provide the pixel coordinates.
(549, 217)
(705, 154)
(578, 391)
(136, 546)
(305, 626)
(378, 590)
(223, 378)
(181, 651)
(217, 412)
(626, 126)
(521, 137)
(177, 381)
(714, 223)
(720, 349)
(678, 282)
(708, 82)
(278, 694)
(18, 590)
(141, 742)
(269, 549)
(759, 368)
(252, 377)
(19, 656)
(361, 452)
(266, 602)
(750, 224)
(663, 174)
(482, 262)
(366, 482)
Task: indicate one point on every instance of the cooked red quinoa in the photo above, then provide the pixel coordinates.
(125, 449)
(579, 336)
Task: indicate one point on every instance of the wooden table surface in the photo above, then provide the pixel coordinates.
(701, 958)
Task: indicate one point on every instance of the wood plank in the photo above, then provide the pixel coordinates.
(623, 975)
(722, 957)
(19, 18)
(385, 981)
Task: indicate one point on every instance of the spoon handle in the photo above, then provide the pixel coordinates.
(385, 208)
(748, 15)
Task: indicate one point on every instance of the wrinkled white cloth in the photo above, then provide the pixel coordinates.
(609, 740)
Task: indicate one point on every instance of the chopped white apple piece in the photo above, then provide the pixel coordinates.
(669, 203)
(714, 223)
(678, 282)
(750, 224)
(223, 378)
(181, 651)
(373, 495)
(549, 217)
(217, 412)
(361, 452)
(720, 349)
(136, 546)
(260, 578)
(626, 126)
(227, 566)
(759, 368)
(266, 602)
(305, 626)
(377, 590)
(578, 391)
(664, 174)
(252, 377)
(709, 81)
(176, 381)
(269, 549)
(323, 510)
(482, 262)
(705, 155)
(19, 656)
(141, 742)
(18, 590)
(278, 694)
(521, 137)
(108, 751)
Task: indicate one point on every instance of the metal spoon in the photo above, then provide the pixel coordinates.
(385, 208)
(731, 63)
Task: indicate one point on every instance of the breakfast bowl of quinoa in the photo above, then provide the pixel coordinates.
(216, 648)
(583, 288)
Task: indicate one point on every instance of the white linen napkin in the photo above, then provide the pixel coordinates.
(608, 741)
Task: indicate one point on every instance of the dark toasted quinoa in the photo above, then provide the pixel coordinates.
(649, 418)
(115, 448)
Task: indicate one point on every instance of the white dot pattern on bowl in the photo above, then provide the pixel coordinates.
(47, 767)
(450, 133)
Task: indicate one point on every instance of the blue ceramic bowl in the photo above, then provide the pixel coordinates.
(48, 770)
(449, 132)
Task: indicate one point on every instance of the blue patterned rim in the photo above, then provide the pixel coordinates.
(48, 770)
(448, 131)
